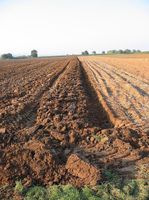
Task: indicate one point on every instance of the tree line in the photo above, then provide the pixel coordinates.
(120, 51)
(34, 54)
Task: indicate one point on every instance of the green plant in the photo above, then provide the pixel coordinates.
(66, 192)
(104, 191)
(97, 138)
(110, 190)
(131, 188)
(19, 187)
(88, 194)
(100, 138)
(7, 56)
(137, 189)
(112, 177)
(36, 193)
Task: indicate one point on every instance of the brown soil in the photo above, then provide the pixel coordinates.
(55, 130)
(124, 95)
(136, 64)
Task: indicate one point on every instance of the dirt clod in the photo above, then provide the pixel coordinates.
(87, 173)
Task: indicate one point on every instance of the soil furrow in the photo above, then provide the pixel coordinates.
(26, 115)
(125, 101)
(129, 102)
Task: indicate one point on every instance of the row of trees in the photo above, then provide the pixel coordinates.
(7, 56)
(34, 54)
(120, 51)
(87, 53)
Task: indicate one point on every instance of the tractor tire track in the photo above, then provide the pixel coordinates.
(121, 93)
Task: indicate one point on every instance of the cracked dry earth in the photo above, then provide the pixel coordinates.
(57, 126)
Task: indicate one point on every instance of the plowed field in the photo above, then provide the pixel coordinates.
(65, 120)
(126, 96)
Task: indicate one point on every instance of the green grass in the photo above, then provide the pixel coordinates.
(111, 190)
(37, 193)
(63, 193)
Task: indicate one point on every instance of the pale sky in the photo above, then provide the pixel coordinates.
(71, 26)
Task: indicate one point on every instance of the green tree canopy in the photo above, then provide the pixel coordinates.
(34, 53)
(85, 53)
(7, 56)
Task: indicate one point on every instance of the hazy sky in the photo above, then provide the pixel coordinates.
(71, 26)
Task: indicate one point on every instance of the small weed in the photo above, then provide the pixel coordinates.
(19, 187)
(66, 192)
(97, 138)
(88, 194)
(112, 177)
(100, 138)
(136, 189)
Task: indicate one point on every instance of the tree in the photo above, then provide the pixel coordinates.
(138, 51)
(85, 53)
(120, 51)
(111, 51)
(7, 56)
(127, 51)
(103, 52)
(94, 52)
(34, 53)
